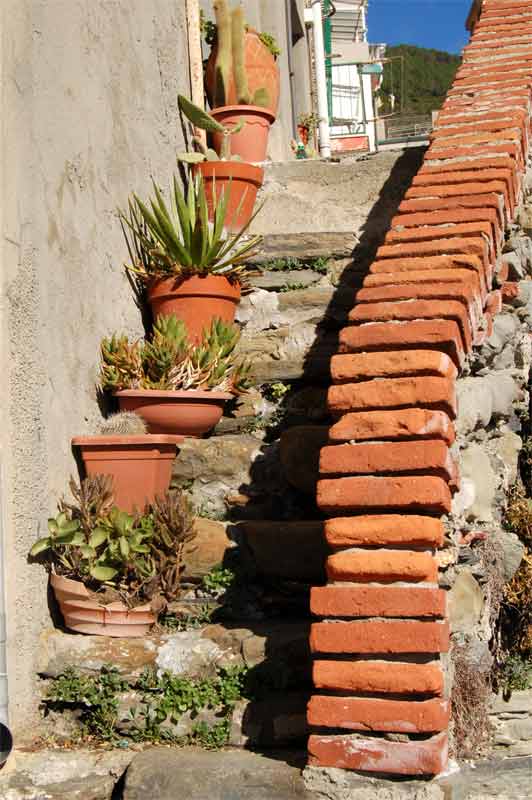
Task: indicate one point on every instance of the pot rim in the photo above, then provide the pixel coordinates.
(198, 395)
(138, 440)
(255, 174)
(86, 601)
(243, 109)
(194, 277)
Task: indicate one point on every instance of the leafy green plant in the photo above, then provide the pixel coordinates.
(168, 361)
(270, 42)
(310, 121)
(275, 392)
(176, 239)
(219, 579)
(516, 674)
(97, 696)
(138, 556)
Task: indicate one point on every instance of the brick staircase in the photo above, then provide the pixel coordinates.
(387, 477)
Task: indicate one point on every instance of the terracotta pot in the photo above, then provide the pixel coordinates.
(303, 133)
(261, 68)
(251, 144)
(183, 413)
(242, 181)
(83, 614)
(141, 466)
(196, 300)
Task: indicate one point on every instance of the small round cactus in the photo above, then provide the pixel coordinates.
(125, 423)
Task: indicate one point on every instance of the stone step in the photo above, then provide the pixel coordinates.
(192, 653)
(191, 774)
(74, 774)
(305, 246)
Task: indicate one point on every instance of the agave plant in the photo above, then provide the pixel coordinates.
(168, 361)
(138, 556)
(176, 238)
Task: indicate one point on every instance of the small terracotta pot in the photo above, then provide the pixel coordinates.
(303, 133)
(251, 143)
(262, 72)
(196, 300)
(242, 181)
(141, 466)
(84, 615)
(183, 413)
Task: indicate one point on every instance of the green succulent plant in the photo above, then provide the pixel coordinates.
(206, 122)
(168, 361)
(175, 238)
(139, 556)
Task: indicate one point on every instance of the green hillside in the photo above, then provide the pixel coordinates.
(428, 75)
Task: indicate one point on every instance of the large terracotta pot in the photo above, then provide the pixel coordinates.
(196, 300)
(183, 413)
(242, 181)
(261, 69)
(251, 143)
(83, 614)
(141, 466)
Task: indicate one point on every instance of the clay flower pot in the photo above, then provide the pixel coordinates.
(183, 413)
(196, 301)
(262, 71)
(242, 181)
(251, 143)
(141, 466)
(83, 614)
(303, 133)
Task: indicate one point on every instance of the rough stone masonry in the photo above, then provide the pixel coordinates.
(428, 307)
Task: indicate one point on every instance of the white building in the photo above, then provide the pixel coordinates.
(354, 74)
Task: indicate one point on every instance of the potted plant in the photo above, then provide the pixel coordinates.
(242, 81)
(113, 572)
(260, 60)
(189, 266)
(175, 386)
(139, 464)
(306, 126)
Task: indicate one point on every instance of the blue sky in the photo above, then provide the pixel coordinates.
(426, 23)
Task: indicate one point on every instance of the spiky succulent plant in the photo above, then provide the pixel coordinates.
(168, 361)
(174, 238)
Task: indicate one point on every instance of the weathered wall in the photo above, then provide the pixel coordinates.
(89, 93)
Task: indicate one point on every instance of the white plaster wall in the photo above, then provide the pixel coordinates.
(89, 111)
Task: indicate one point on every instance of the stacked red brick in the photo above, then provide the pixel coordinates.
(387, 476)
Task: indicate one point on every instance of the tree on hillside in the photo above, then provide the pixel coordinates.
(420, 86)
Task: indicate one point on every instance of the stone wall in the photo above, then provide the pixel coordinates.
(89, 112)
(411, 480)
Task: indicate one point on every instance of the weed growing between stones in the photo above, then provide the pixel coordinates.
(112, 711)
(471, 690)
(515, 675)
(318, 264)
(516, 622)
(218, 581)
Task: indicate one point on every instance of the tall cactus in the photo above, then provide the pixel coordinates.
(230, 58)
(238, 30)
(224, 57)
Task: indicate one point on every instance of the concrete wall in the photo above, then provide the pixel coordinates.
(88, 113)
